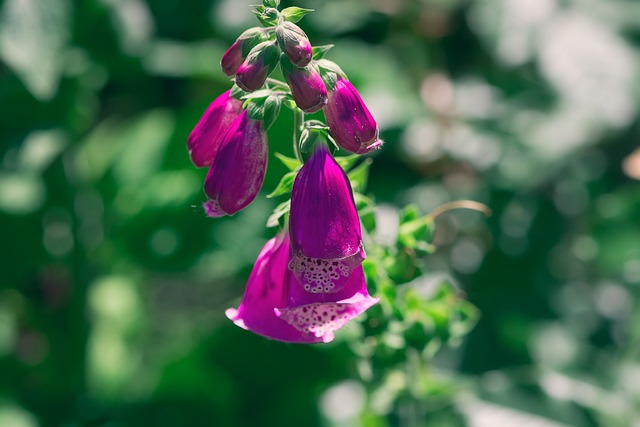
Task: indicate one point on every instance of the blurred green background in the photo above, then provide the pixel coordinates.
(113, 284)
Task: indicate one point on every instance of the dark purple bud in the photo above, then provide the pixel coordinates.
(238, 170)
(206, 137)
(236, 54)
(349, 119)
(259, 63)
(325, 229)
(294, 43)
(306, 85)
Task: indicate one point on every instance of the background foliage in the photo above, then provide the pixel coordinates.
(113, 284)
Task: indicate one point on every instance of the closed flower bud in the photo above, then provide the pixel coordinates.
(236, 54)
(239, 167)
(294, 43)
(253, 72)
(206, 137)
(349, 119)
(325, 229)
(307, 87)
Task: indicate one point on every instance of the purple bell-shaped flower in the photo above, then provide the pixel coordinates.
(237, 52)
(206, 137)
(307, 88)
(351, 124)
(239, 167)
(276, 306)
(325, 228)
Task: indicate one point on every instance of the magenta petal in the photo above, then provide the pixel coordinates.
(206, 137)
(307, 88)
(233, 58)
(325, 228)
(351, 124)
(322, 314)
(238, 170)
(266, 292)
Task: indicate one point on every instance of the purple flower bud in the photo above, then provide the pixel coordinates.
(324, 225)
(306, 85)
(274, 304)
(349, 119)
(235, 55)
(238, 170)
(259, 63)
(206, 137)
(294, 43)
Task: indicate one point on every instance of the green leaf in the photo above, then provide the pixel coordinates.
(409, 213)
(290, 163)
(255, 108)
(285, 185)
(308, 138)
(271, 3)
(268, 16)
(280, 210)
(271, 110)
(294, 14)
(238, 93)
(347, 162)
(320, 51)
(260, 93)
(359, 175)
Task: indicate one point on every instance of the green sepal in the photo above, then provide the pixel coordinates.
(308, 139)
(294, 14)
(290, 163)
(359, 175)
(271, 3)
(260, 93)
(347, 162)
(281, 210)
(284, 186)
(329, 72)
(271, 110)
(290, 103)
(252, 37)
(238, 93)
(320, 51)
(268, 16)
(255, 108)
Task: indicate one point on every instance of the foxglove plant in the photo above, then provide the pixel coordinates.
(310, 280)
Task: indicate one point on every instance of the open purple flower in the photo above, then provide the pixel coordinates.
(205, 138)
(351, 124)
(274, 304)
(324, 225)
(307, 87)
(238, 170)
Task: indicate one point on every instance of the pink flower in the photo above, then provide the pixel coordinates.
(324, 225)
(239, 167)
(307, 87)
(294, 43)
(205, 138)
(260, 62)
(276, 306)
(351, 124)
(235, 55)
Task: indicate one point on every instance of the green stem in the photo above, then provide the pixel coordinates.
(298, 120)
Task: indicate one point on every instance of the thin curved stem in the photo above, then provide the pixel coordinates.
(460, 204)
(298, 121)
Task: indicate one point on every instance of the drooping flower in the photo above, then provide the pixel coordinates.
(205, 138)
(325, 229)
(239, 167)
(307, 88)
(294, 43)
(237, 52)
(351, 124)
(274, 304)
(253, 72)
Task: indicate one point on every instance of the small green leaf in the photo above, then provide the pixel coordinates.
(325, 64)
(320, 51)
(281, 210)
(290, 163)
(260, 93)
(271, 3)
(308, 139)
(285, 185)
(268, 16)
(290, 104)
(294, 14)
(237, 93)
(347, 162)
(255, 108)
(359, 175)
(271, 110)
(409, 213)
